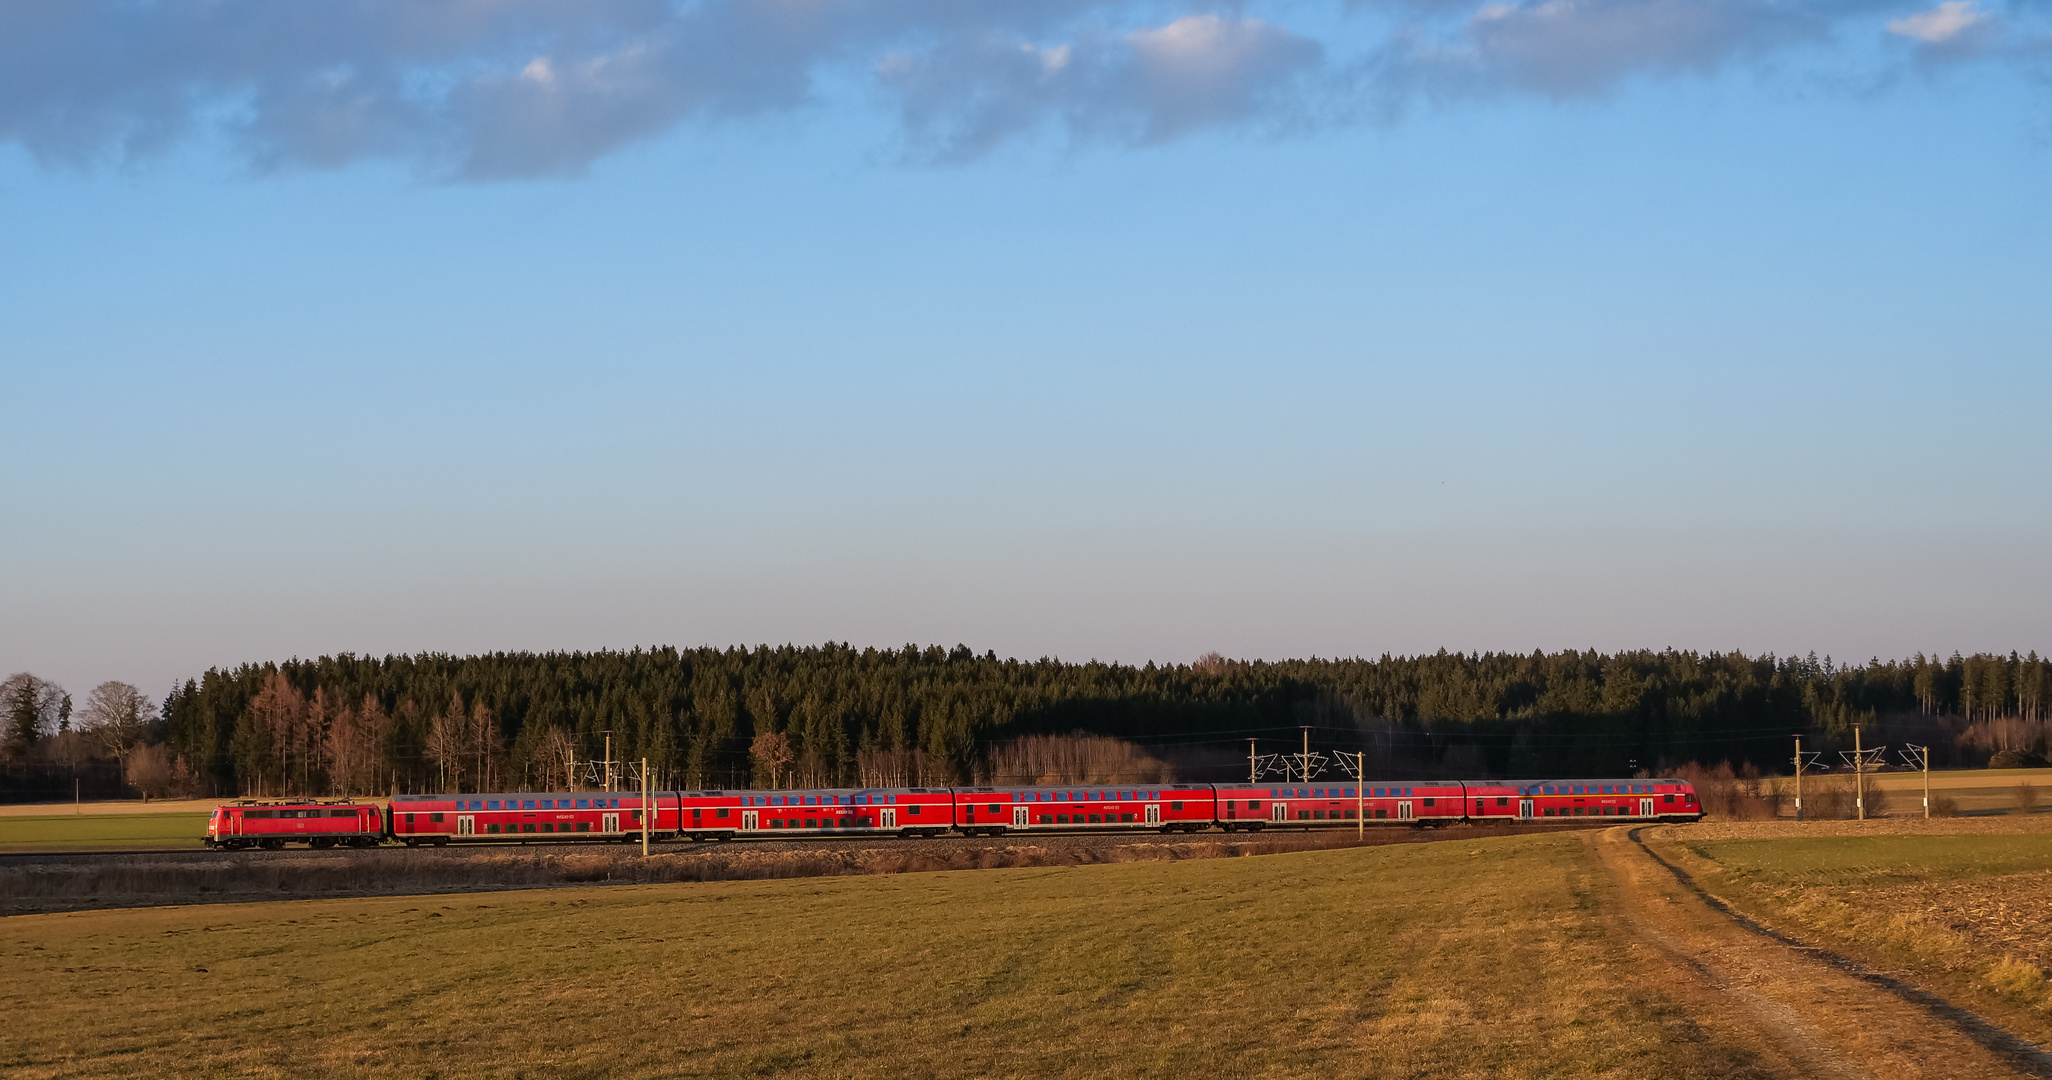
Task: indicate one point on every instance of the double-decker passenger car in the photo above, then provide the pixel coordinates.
(529, 816)
(1319, 804)
(255, 823)
(1646, 800)
(993, 811)
(794, 814)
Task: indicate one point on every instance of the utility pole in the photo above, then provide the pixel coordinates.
(1306, 728)
(1920, 756)
(1253, 773)
(1927, 782)
(1799, 777)
(644, 804)
(609, 760)
(1361, 797)
(1860, 774)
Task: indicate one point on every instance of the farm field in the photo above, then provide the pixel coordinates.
(66, 832)
(1962, 906)
(1976, 791)
(1488, 957)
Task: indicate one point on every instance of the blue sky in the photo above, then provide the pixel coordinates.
(1125, 330)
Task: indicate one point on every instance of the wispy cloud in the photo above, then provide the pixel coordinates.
(493, 89)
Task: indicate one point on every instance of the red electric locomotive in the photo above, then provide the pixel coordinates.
(254, 823)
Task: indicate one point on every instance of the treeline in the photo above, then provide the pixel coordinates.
(349, 724)
(837, 715)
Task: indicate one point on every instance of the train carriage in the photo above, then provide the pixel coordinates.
(994, 811)
(1644, 800)
(1326, 804)
(523, 816)
(254, 823)
(1494, 802)
(843, 812)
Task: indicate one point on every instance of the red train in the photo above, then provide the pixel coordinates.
(252, 823)
(558, 816)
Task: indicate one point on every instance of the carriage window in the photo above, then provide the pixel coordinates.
(913, 809)
(435, 818)
(722, 813)
(1253, 804)
(584, 804)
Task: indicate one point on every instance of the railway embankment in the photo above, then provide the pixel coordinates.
(71, 881)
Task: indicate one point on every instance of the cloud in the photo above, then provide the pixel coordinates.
(1565, 48)
(1942, 24)
(1953, 30)
(1146, 86)
(476, 90)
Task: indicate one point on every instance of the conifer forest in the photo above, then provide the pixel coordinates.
(837, 715)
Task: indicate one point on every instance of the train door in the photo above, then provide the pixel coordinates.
(609, 822)
(1645, 808)
(1278, 811)
(1524, 808)
(749, 819)
(1154, 813)
(1403, 811)
(466, 824)
(889, 818)
(1019, 817)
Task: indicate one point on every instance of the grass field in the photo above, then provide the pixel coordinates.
(1968, 913)
(68, 831)
(1490, 957)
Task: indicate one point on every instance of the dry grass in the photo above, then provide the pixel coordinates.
(1960, 905)
(1485, 958)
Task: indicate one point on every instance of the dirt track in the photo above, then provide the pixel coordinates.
(1806, 1013)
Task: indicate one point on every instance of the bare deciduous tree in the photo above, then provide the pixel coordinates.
(156, 772)
(1075, 759)
(117, 718)
(556, 758)
(448, 742)
(771, 751)
(482, 735)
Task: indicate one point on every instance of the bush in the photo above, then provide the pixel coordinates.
(1944, 806)
(2017, 979)
(2015, 759)
(2026, 797)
